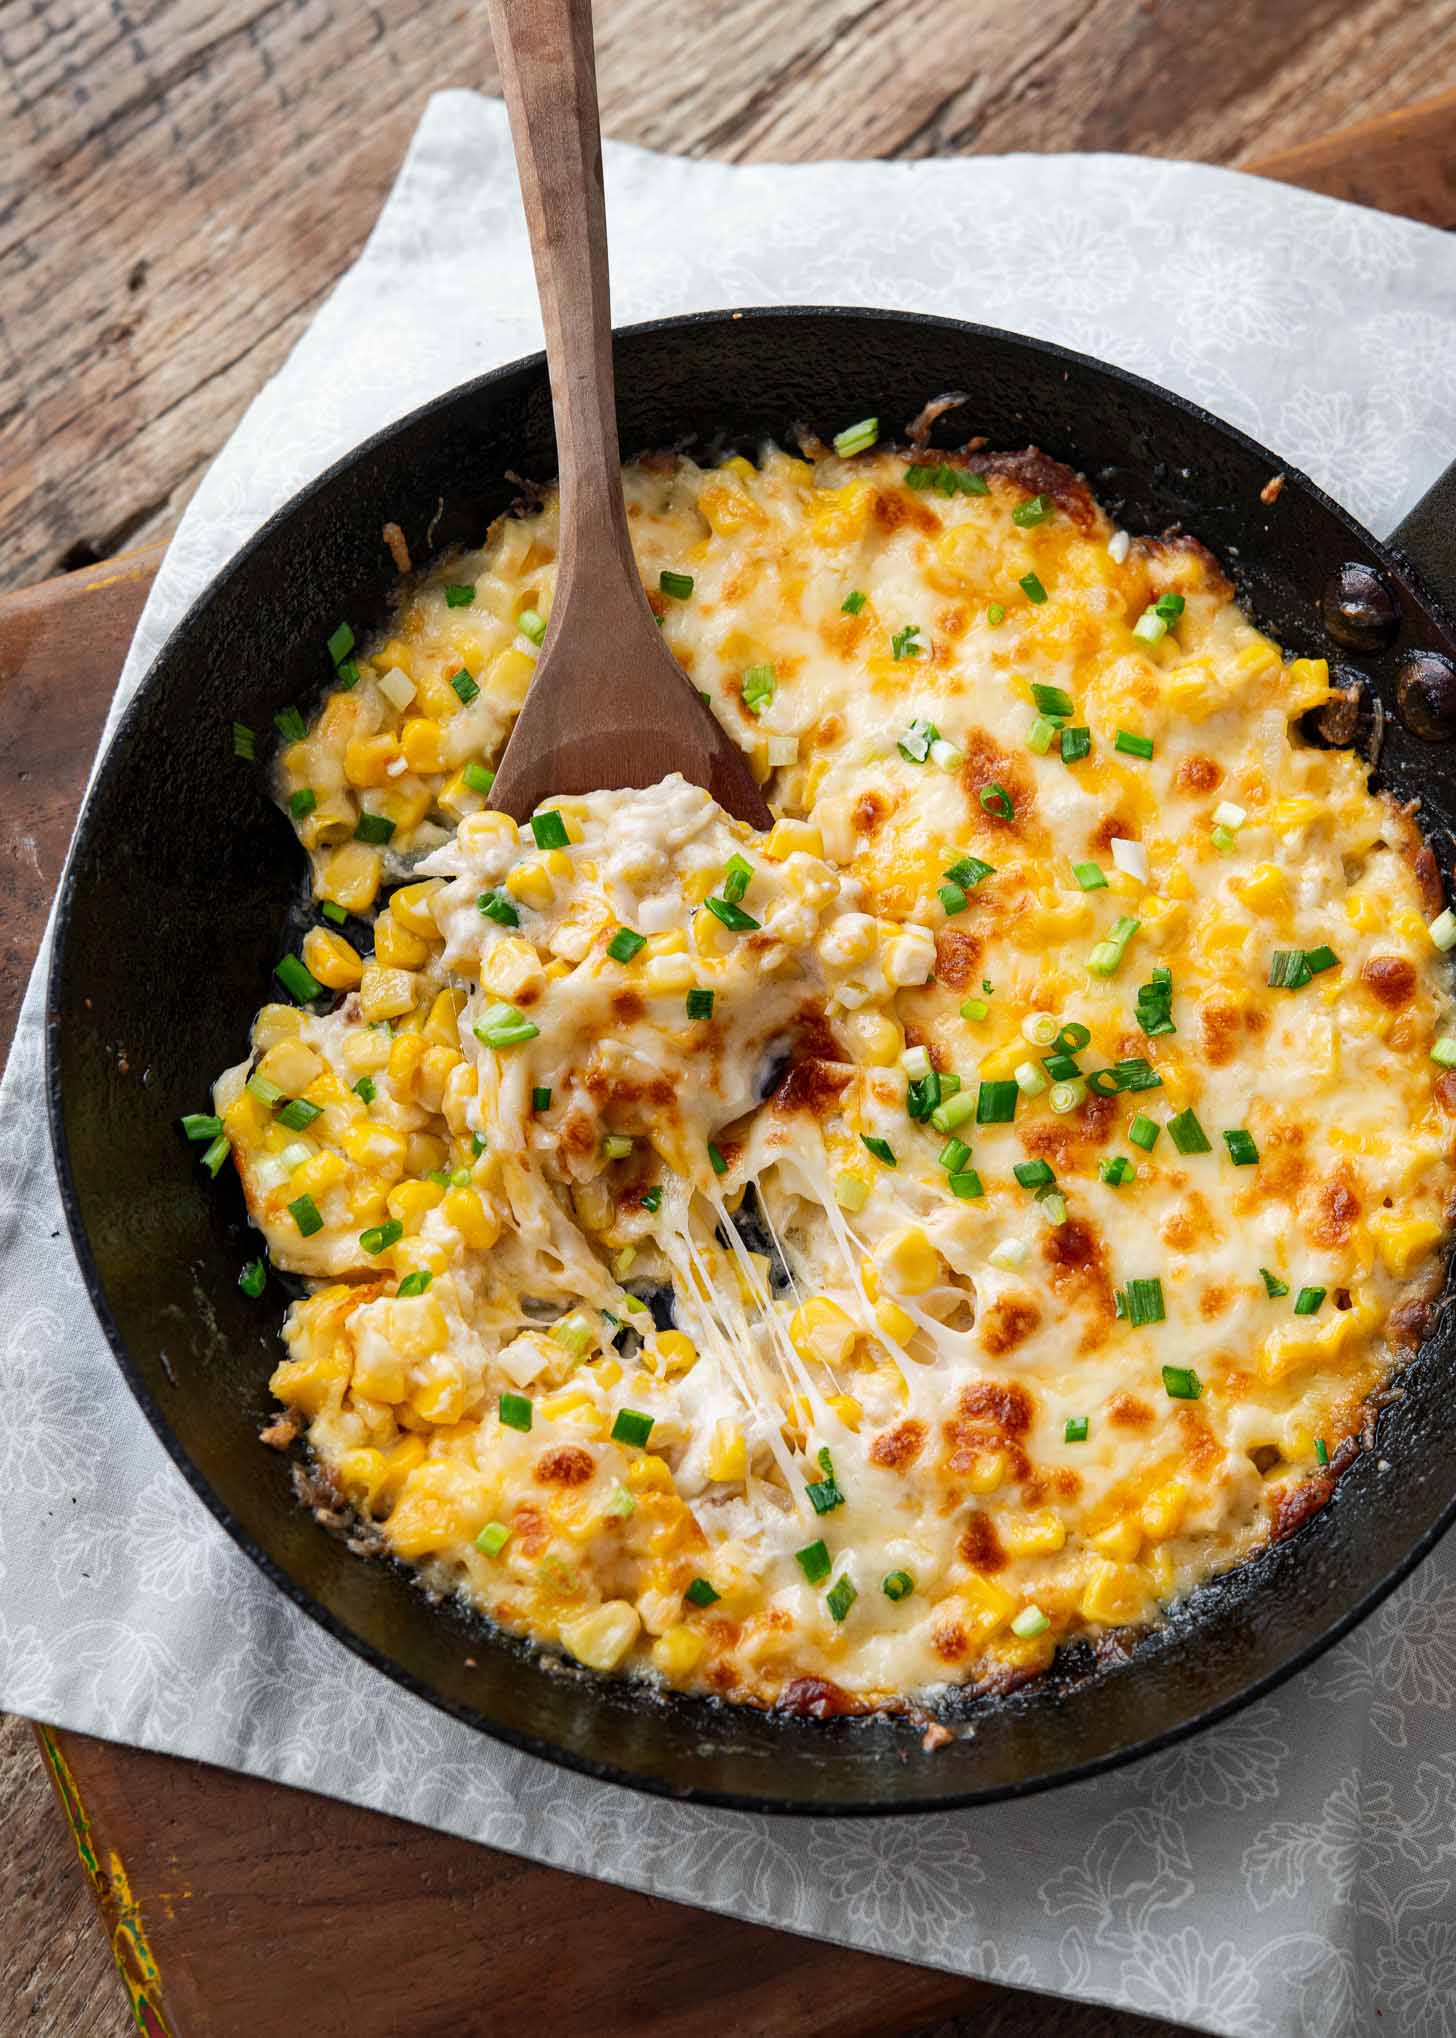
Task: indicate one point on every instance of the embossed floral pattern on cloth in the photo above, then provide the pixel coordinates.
(1284, 1876)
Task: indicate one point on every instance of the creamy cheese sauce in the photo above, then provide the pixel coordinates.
(874, 1254)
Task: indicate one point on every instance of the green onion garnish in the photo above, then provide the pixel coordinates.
(1145, 1302)
(268, 1094)
(244, 742)
(290, 725)
(465, 686)
(738, 875)
(996, 800)
(1106, 957)
(952, 898)
(213, 1156)
(1030, 1623)
(479, 777)
(897, 1585)
(953, 1155)
(715, 1159)
(626, 943)
(302, 803)
(813, 1561)
(331, 910)
(1075, 1430)
(922, 1095)
(494, 1536)
(417, 1282)
(1035, 510)
(1242, 1150)
(1181, 1383)
(253, 1278)
(652, 1198)
(549, 829)
(379, 1237)
(1308, 1300)
(1115, 1169)
(1041, 735)
(824, 1494)
(975, 1009)
(1144, 1132)
(541, 1098)
(841, 1597)
(906, 642)
(759, 683)
(700, 1004)
(996, 1103)
(731, 916)
(365, 1088)
(1133, 746)
(1273, 1286)
(1444, 1051)
(968, 872)
(376, 828)
(853, 602)
(952, 1111)
(1073, 1036)
(966, 1184)
(200, 1125)
(459, 595)
(346, 672)
(1090, 876)
(1321, 1451)
(880, 1148)
(504, 1026)
(914, 745)
(1032, 588)
(616, 1146)
(340, 644)
(1033, 1174)
(678, 585)
(304, 1212)
(1187, 1134)
(856, 438)
(500, 907)
(996, 613)
(1076, 744)
(515, 1412)
(1155, 1004)
(701, 1593)
(299, 983)
(298, 1114)
(631, 1428)
(1051, 700)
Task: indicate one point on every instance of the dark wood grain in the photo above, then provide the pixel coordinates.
(609, 705)
(1401, 162)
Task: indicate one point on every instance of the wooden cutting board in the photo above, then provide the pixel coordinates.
(240, 1907)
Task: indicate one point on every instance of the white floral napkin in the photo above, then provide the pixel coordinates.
(1292, 1872)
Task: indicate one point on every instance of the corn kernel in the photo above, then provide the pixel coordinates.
(1115, 1592)
(677, 1351)
(897, 1323)
(845, 1406)
(1033, 1535)
(983, 1605)
(377, 1147)
(290, 1065)
(275, 1023)
(988, 1471)
(311, 1383)
(351, 877)
(1120, 1541)
(423, 744)
(649, 1473)
(408, 1201)
(727, 1452)
(820, 1329)
(1263, 890)
(333, 960)
(785, 837)
(443, 1025)
(395, 947)
(678, 1652)
(530, 883)
(1162, 1513)
(908, 1261)
(316, 1176)
(509, 678)
(386, 993)
(476, 1223)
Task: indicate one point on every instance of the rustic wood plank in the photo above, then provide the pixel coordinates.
(1398, 162)
(181, 185)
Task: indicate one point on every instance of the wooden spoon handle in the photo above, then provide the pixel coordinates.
(548, 66)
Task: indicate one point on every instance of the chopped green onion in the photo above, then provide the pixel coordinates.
(952, 1112)
(952, 898)
(1288, 969)
(1187, 1134)
(1242, 1150)
(851, 1193)
(298, 1114)
(459, 595)
(531, 623)
(880, 1148)
(502, 1025)
(1035, 510)
(1133, 746)
(626, 943)
(1090, 876)
(1317, 960)
(971, 484)
(464, 686)
(996, 1103)
(304, 1212)
(1073, 1036)
(678, 585)
(1444, 1051)
(500, 907)
(340, 644)
(907, 642)
(213, 1156)
(1169, 607)
(968, 872)
(1144, 1132)
(200, 1125)
(479, 777)
(1032, 1174)
(1053, 1205)
(1075, 745)
(738, 875)
(290, 725)
(631, 1428)
(1150, 626)
(1136, 1073)
(1066, 1096)
(701, 1593)
(365, 1088)
(332, 911)
(856, 438)
(1155, 1004)
(897, 1585)
(1308, 1300)
(1041, 735)
(1181, 1383)
(996, 800)
(914, 745)
(1032, 588)
(1029, 1623)
(953, 1155)
(1273, 1286)
(1223, 838)
(759, 683)
(841, 1597)
(1115, 1169)
(700, 1004)
(549, 830)
(376, 828)
(541, 1099)
(616, 1146)
(299, 983)
(1051, 700)
(1106, 957)
(995, 614)
(493, 1537)
(813, 1561)
(853, 602)
(417, 1282)
(975, 1009)
(1321, 1451)
(1075, 1430)
(824, 1494)
(477, 1144)
(244, 743)
(1145, 1302)
(515, 1412)
(1442, 930)
(715, 1159)
(380, 1236)
(253, 1278)
(652, 1198)
(731, 916)
(966, 1184)
(302, 803)
(346, 672)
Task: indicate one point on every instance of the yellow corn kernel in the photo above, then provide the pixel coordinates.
(530, 883)
(425, 1154)
(367, 760)
(983, 1605)
(395, 947)
(471, 1216)
(1192, 691)
(1162, 1513)
(869, 1275)
(435, 1071)
(332, 820)
(1259, 657)
(509, 678)
(423, 744)
(441, 1399)
(511, 969)
(1120, 1541)
(386, 993)
(351, 876)
(820, 1329)
(849, 1411)
(246, 1121)
(1115, 1592)
(710, 936)
(377, 1147)
(412, 907)
(840, 515)
(408, 1201)
(649, 1473)
(1263, 890)
(876, 1037)
(1403, 1240)
(988, 1471)
(316, 1176)
(678, 1652)
(1287, 815)
(332, 959)
(601, 1638)
(406, 1052)
(290, 1065)
(394, 652)
(677, 1352)
(1033, 1535)
(785, 837)
(908, 1261)
(275, 1023)
(312, 1383)
(1363, 912)
(459, 799)
(727, 1451)
(443, 1025)
(897, 1323)
(405, 802)
(728, 507)
(666, 975)
(441, 1504)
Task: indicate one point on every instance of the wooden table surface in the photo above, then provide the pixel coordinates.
(180, 185)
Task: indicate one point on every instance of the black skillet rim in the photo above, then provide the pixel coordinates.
(1050, 354)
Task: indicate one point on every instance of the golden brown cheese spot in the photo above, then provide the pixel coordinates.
(949, 1640)
(1197, 774)
(1389, 978)
(530, 1529)
(827, 732)
(1125, 1411)
(979, 1545)
(958, 954)
(870, 809)
(1200, 1446)
(566, 1465)
(987, 766)
(811, 1085)
(1079, 1275)
(1113, 826)
(1339, 1206)
(897, 508)
(628, 1006)
(817, 1698)
(952, 621)
(1032, 472)
(1290, 1507)
(1221, 1026)
(1191, 1224)
(1213, 1301)
(1428, 879)
(1008, 1322)
(898, 1447)
(1444, 1091)
(1195, 568)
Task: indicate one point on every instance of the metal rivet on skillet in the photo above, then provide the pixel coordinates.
(1360, 611)
(1425, 693)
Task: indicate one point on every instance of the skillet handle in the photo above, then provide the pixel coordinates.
(1426, 535)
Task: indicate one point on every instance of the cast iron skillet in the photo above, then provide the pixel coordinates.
(183, 877)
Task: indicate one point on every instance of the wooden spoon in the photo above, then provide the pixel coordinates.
(609, 706)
